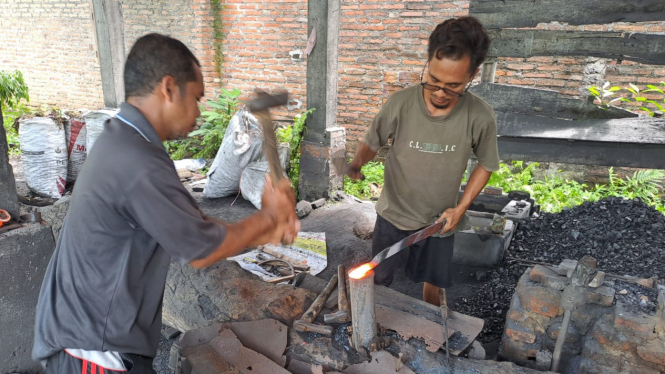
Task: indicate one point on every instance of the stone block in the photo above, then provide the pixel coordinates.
(603, 296)
(538, 299)
(597, 280)
(24, 254)
(588, 366)
(518, 351)
(653, 351)
(633, 322)
(520, 335)
(596, 352)
(548, 277)
(303, 208)
(544, 360)
(318, 203)
(480, 248)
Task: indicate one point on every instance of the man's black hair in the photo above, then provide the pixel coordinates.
(458, 37)
(153, 57)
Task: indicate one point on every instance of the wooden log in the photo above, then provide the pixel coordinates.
(363, 314)
(529, 13)
(546, 103)
(640, 130)
(342, 300)
(643, 48)
(581, 152)
(314, 309)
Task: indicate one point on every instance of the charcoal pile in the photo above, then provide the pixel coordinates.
(491, 300)
(627, 237)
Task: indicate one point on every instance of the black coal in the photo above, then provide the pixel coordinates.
(627, 237)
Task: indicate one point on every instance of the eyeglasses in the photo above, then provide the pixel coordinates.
(434, 88)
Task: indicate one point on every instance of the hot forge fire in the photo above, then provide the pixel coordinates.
(361, 271)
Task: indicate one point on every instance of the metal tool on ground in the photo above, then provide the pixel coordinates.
(260, 109)
(408, 241)
(573, 296)
(443, 305)
(342, 314)
(305, 323)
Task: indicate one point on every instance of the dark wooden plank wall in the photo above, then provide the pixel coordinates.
(529, 13)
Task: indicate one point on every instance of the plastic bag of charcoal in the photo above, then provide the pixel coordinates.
(241, 145)
(44, 154)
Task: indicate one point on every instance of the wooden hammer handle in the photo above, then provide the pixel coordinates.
(270, 145)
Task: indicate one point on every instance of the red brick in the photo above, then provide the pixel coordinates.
(538, 299)
(521, 336)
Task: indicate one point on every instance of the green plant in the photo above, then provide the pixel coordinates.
(12, 90)
(638, 98)
(362, 189)
(206, 140)
(603, 94)
(293, 136)
(513, 177)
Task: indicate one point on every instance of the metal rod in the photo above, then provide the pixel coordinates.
(363, 314)
(560, 340)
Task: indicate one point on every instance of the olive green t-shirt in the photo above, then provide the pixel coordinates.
(428, 157)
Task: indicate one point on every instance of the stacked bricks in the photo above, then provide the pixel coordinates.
(603, 336)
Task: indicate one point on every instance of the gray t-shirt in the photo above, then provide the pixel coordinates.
(129, 215)
(425, 165)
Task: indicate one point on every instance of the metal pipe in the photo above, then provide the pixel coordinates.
(558, 347)
(363, 314)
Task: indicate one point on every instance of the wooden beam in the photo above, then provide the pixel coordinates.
(639, 130)
(539, 102)
(487, 75)
(583, 152)
(315, 169)
(643, 48)
(628, 142)
(109, 32)
(529, 13)
(332, 63)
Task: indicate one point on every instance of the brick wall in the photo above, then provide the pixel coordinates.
(258, 35)
(53, 44)
(189, 21)
(382, 48)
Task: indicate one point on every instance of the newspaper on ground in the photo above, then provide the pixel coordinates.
(308, 249)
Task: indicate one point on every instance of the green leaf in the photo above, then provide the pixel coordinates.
(615, 88)
(634, 87)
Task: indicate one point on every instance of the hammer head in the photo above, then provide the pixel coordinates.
(340, 316)
(264, 101)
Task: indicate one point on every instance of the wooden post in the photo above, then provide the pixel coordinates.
(109, 32)
(363, 315)
(321, 139)
(487, 75)
(8, 198)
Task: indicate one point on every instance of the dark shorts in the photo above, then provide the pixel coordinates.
(64, 363)
(429, 261)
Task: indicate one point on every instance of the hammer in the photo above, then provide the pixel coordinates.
(342, 315)
(304, 324)
(259, 108)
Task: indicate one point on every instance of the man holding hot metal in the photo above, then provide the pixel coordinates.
(434, 126)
